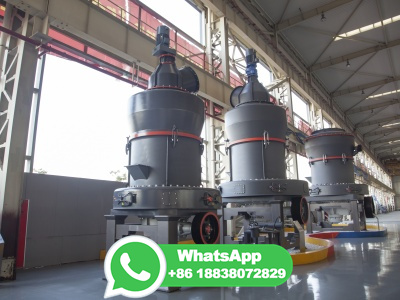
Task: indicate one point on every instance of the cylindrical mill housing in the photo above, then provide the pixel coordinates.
(330, 153)
(156, 115)
(256, 132)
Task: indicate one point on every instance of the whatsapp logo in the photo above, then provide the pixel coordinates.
(135, 267)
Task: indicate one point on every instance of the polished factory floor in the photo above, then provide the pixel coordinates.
(366, 268)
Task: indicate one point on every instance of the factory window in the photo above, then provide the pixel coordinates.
(300, 107)
(82, 125)
(183, 14)
(301, 114)
(326, 123)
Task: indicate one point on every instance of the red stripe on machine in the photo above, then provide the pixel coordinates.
(165, 133)
(255, 139)
(327, 134)
(330, 158)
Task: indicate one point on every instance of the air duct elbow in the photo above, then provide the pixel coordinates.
(189, 79)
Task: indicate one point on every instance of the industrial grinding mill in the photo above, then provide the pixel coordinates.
(165, 150)
(254, 199)
(334, 197)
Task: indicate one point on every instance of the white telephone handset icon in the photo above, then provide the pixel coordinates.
(125, 260)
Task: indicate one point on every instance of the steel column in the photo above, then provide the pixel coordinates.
(17, 81)
(30, 153)
(211, 148)
(224, 54)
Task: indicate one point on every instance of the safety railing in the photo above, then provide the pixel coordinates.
(302, 125)
(95, 58)
(289, 117)
(141, 18)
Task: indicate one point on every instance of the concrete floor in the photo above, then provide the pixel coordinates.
(366, 268)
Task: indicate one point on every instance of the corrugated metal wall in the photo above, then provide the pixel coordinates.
(396, 187)
(66, 218)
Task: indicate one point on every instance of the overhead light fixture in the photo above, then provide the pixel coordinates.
(347, 63)
(392, 124)
(384, 94)
(367, 28)
(323, 18)
(362, 92)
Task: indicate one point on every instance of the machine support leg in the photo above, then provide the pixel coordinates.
(363, 220)
(221, 225)
(167, 234)
(167, 230)
(355, 215)
(310, 218)
(112, 222)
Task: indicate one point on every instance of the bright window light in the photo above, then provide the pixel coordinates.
(326, 123)
(187, 17)
(367, 28)
(384, 94)
(396, 141)
(300, 107)
(389, 125)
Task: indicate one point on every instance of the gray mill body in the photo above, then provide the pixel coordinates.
(168, 162)
(254, 160)
(330, 153)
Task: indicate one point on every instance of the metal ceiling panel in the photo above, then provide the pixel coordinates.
(273, 10)
(379, 64)
(330, 77)
(276, 9)
(343, 48)
(307, 43)
(390, 8)
(355, 80)
(392, 30)
(348, 102)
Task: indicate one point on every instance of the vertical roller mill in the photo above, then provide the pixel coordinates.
(255, 197)
(334, 197)
(164, 149)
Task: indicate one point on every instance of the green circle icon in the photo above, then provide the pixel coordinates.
(135, 267)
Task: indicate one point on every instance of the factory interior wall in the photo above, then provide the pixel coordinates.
(396, 187)
(65, 218)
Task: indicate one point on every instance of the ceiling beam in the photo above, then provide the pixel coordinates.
(331, 34)
(391, 148)
(364, 86)
(309, 14)
(383, 131)
(378, 121)
(343, 58)
(258, 13)
(390, 156)
(375, 142)
(361, 109)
